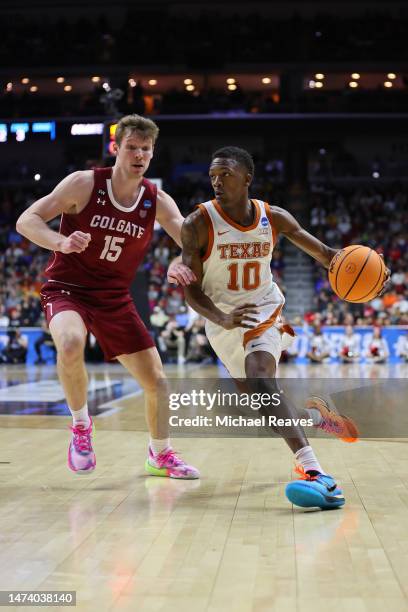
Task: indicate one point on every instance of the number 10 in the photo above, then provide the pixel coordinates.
(251, 277)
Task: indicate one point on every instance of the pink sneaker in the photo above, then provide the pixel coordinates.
(167, 463)
(81, 457)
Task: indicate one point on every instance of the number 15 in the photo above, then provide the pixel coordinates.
(112, 250)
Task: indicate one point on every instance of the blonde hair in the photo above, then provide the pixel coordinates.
(136, 123)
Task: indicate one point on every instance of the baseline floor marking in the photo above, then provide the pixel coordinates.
(45, 391)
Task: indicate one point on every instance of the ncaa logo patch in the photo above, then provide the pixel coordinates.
(147, 204)
(264, 221)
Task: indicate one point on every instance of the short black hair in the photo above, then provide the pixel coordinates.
(239, 155)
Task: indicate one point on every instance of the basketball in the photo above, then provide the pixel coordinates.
(356, 273)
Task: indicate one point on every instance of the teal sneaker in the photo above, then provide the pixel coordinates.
(317, 490)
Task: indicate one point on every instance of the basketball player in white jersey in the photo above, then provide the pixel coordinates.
(228, 243)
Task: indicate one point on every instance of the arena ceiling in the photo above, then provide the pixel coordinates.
(280, 6)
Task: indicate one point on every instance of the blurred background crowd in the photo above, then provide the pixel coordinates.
(324, 117)
(337, 216)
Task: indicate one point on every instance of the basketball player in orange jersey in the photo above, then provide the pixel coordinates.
(228, 244)
(107, 219)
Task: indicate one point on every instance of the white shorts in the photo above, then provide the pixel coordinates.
(229, 343)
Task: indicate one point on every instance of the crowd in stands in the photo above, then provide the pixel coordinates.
(376, 217)
(325, 165)
(347, 347)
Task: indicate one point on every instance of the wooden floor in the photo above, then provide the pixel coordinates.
(231, 541)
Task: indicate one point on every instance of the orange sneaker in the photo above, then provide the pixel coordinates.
(339, 425)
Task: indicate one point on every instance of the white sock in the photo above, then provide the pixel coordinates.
(158, 446)
(81, 416)
(307, 459)
(315, 415)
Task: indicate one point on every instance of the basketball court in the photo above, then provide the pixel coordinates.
(230, 541)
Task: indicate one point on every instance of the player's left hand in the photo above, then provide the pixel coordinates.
(387, 280)
(180, 274)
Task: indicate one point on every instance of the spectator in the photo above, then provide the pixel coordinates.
(172, 341)
(15, 350)
(198, 348)
(377, 349)
(402, 348)
(319, 346)
(44, 339)
(158, 319)
(349, 349)
(4, 320)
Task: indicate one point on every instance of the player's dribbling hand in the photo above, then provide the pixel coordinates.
(180, 274)
(75, 243)
(239, 317)
(387, 280)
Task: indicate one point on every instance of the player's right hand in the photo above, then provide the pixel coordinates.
(76, 242)
(240, 317)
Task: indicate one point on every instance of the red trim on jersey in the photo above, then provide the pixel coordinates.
(208, 221)
(241, 228)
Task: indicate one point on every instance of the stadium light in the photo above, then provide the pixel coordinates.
(37, 176)
(232, 87)
(355, 76)
(95, 79)
(388, 84)
(230, 81)
(188, 81)
(9, 86)
(353, 84)
(60, 79)
(391, 76)
(68, 88)
(190, 87)
(319, 76)
(25, 80)
(152, 82)
(20, 130)
(132, 82)
(266, 80)
(44, 127)
(33, 88)
(86, 129)
(312, 84)
(376, 175)
(318, 84)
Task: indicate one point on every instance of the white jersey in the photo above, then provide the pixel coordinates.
(237, 264)
(236, 271)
